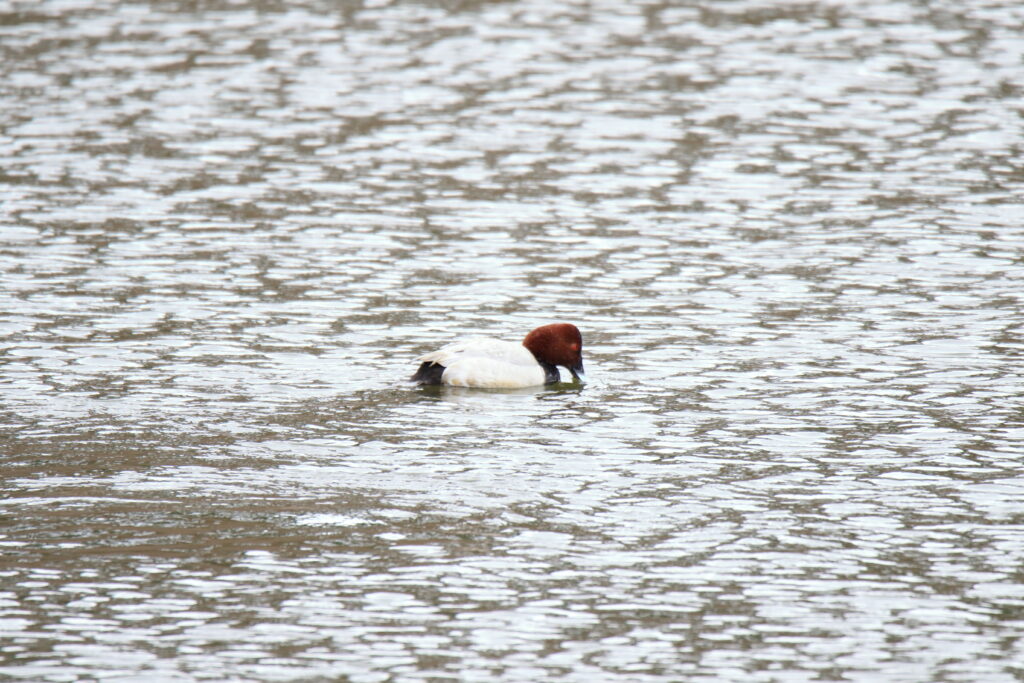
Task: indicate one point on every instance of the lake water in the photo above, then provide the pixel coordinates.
(791, 233)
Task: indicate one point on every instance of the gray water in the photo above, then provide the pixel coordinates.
(791, 234)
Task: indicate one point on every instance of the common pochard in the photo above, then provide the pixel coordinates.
(488, 363)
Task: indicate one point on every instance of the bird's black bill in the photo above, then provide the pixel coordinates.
(577, 371)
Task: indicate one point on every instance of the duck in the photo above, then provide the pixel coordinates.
(488, 363)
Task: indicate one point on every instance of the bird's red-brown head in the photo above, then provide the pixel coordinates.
(558, 344)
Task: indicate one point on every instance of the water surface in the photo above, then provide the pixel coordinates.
(790, 233)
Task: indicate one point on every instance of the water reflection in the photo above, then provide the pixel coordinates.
(789, 234)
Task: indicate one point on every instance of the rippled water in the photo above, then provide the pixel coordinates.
(791, 234)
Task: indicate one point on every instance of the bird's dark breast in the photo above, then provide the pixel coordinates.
(551, 375)
(429, 373)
